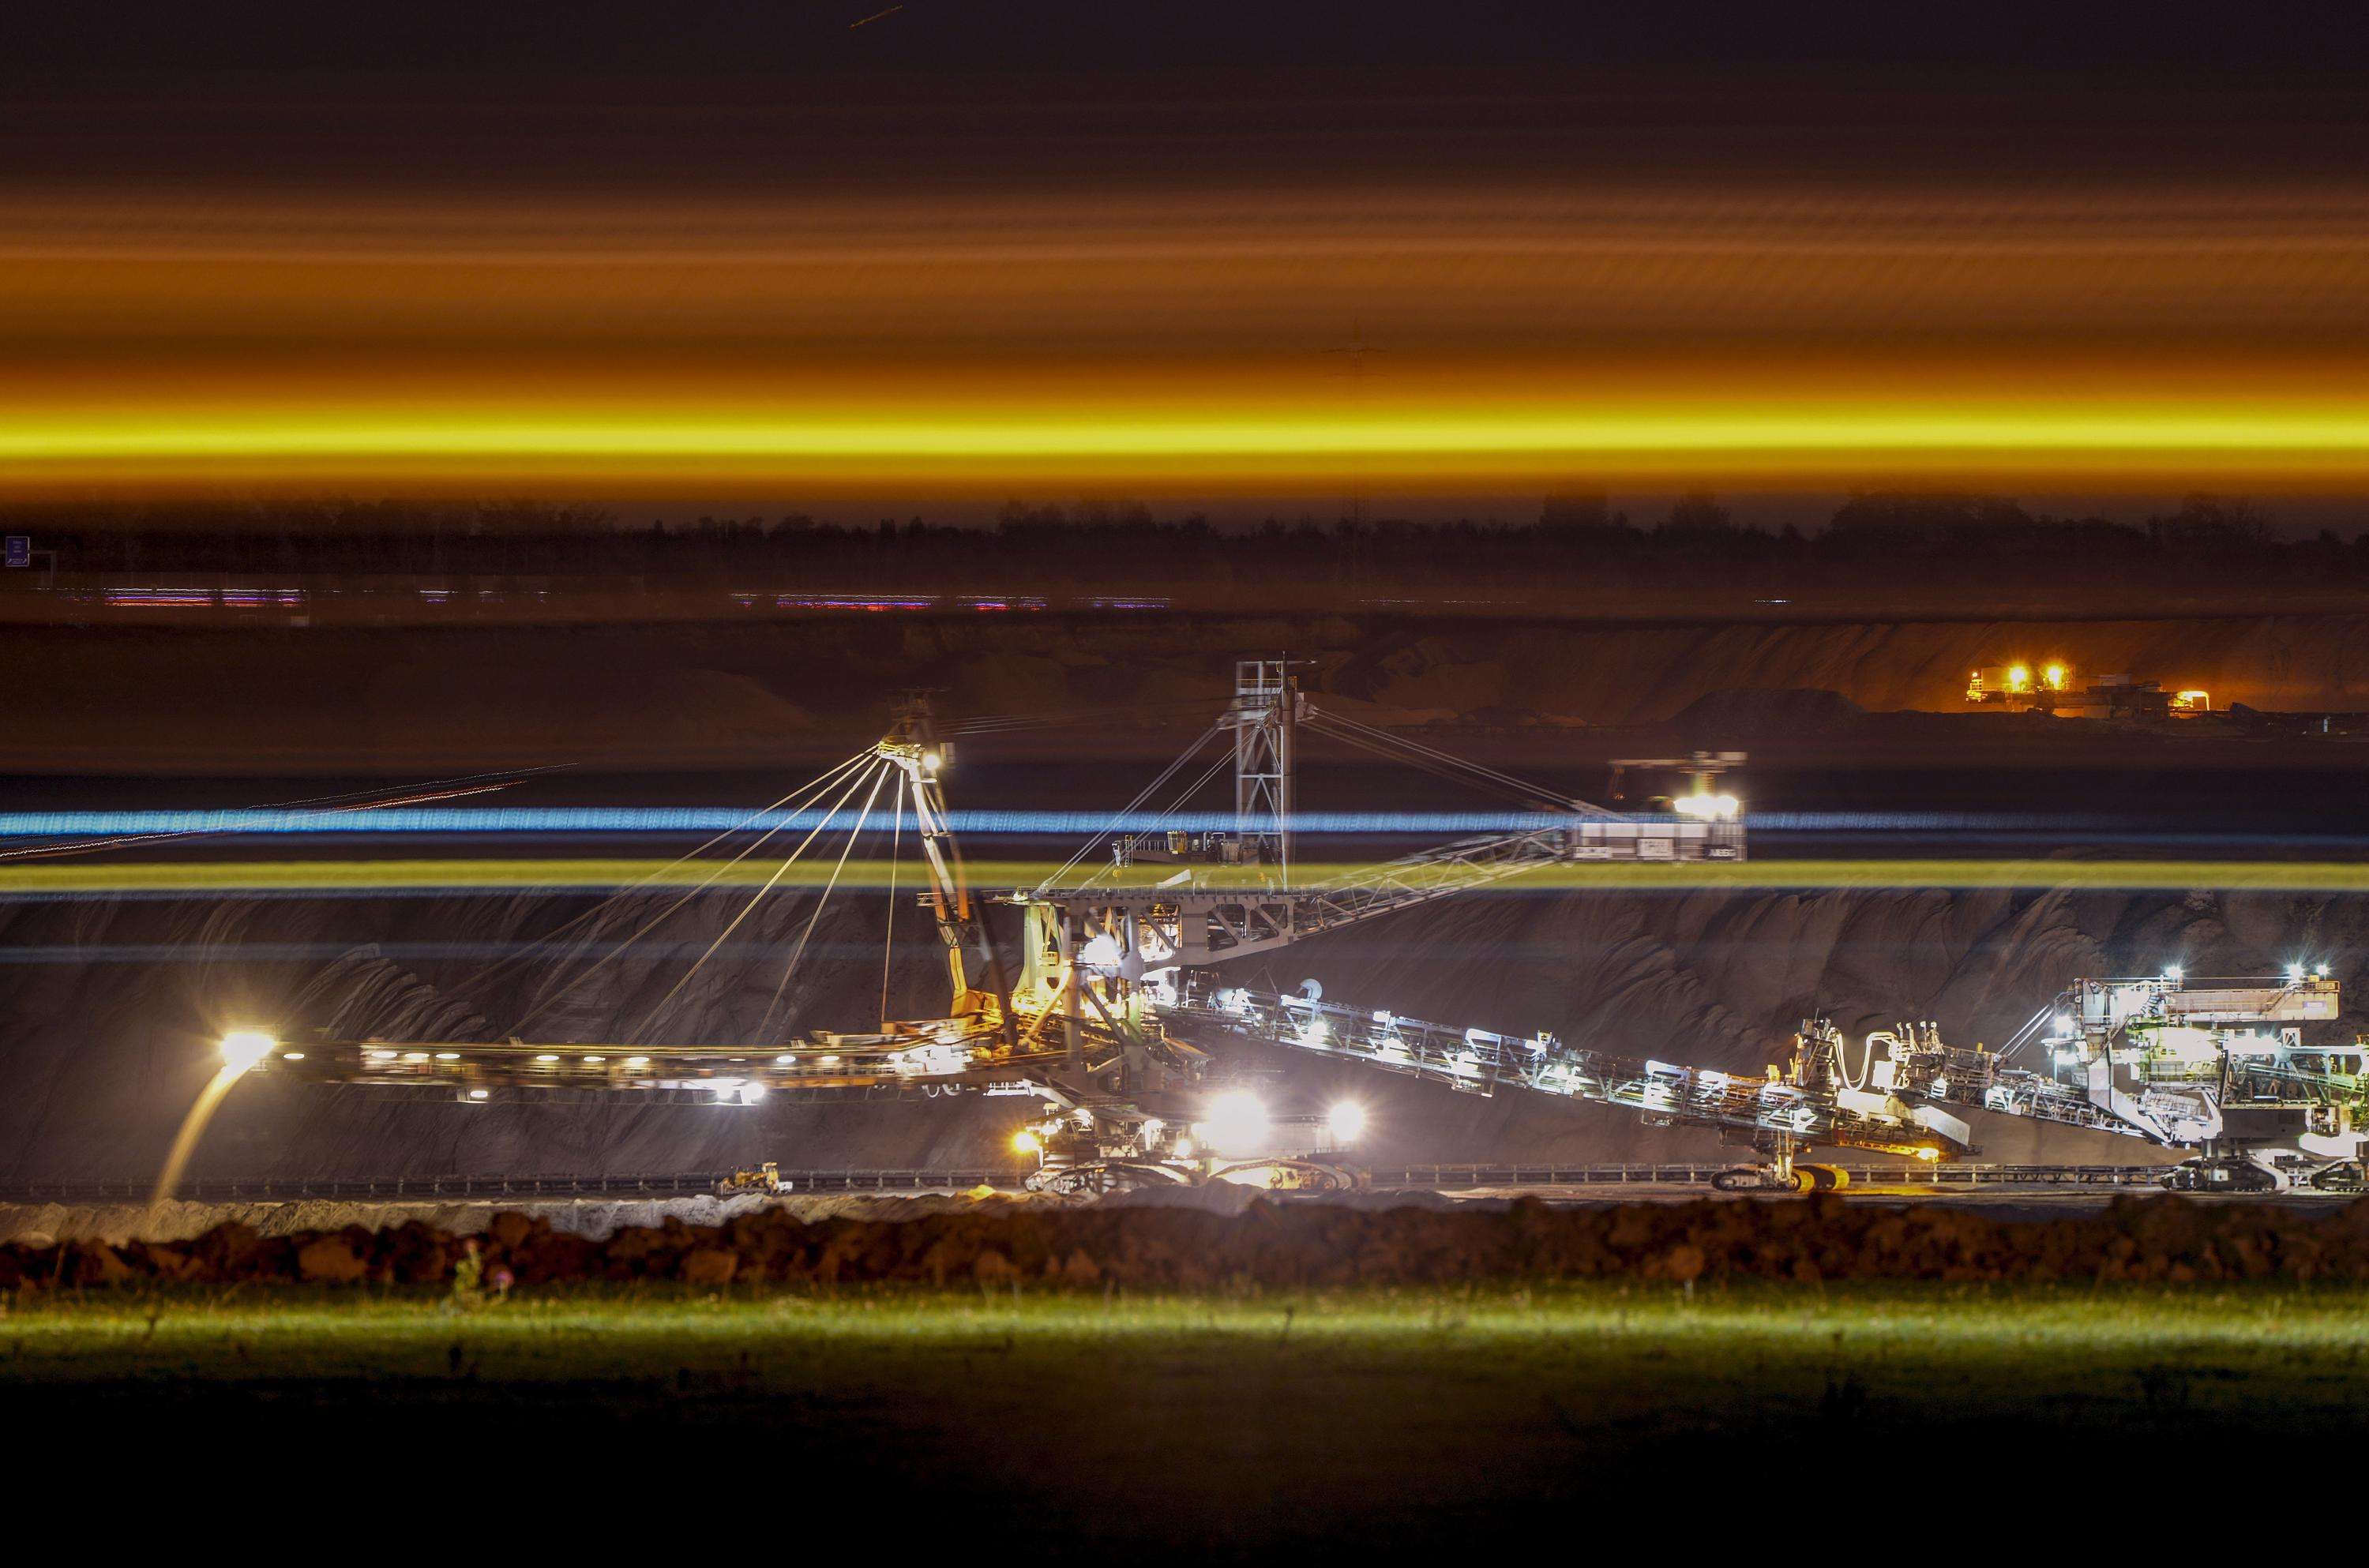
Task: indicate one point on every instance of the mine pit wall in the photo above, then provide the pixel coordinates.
(101, 1060)
(1621, 675)
(781, 695)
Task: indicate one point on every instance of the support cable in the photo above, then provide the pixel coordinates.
(1187, 793)
(814, 788)
(822, 901)
(1436, 769)
(755, 898)
(888, 941)
(2029, 1033)
(792, 800)
(1339, 725)
(1124, 811)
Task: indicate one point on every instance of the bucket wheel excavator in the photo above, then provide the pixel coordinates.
(1093, 1024)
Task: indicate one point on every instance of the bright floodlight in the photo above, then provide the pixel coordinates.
(242, 1048)
(2172, 972)
(1347, 1119)
(1236, 1123)
(1025, 1141)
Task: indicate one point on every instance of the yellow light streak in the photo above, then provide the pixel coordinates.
(41, 449)
(1004, 342)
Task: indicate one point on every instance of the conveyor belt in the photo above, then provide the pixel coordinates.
(1410, 1178)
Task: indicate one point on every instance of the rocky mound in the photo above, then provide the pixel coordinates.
(1270, 1244)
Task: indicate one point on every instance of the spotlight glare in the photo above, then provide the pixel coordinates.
(242, 1048)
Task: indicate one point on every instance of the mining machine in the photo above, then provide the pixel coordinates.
(1081, 1030)
(1116, 978)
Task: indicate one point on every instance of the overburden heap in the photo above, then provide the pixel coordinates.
(1272, 1245)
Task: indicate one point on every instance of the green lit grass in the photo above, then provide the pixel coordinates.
(1394, 1414)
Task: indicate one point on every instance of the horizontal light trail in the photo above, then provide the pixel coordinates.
(39, 880)
(1198, 342)
(68, 953)
(594, 819)
(1451, 444)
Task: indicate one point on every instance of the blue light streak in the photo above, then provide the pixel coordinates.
(710, 819)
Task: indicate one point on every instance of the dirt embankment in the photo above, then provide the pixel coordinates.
(115, 1224)
(721, 695)
(1300, 1245)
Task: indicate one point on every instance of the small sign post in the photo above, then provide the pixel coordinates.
(21, 550)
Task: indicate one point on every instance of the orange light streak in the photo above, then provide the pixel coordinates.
(1775, 338)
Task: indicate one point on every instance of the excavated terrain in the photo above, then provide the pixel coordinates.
(109, 1024)
(106, 1056)
(766, 695)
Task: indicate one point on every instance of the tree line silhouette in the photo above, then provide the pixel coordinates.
(1576, 540)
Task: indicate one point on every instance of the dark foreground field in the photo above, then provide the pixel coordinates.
(1047, 1423)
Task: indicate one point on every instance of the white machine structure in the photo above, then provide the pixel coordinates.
(2222, 1066)
(1095, 1025)
(2218, 1067)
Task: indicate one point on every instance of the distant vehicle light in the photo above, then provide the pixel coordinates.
(242, 1048)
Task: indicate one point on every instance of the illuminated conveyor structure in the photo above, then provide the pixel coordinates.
(2220, 1068)
(1803, 1106)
